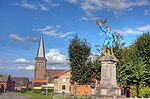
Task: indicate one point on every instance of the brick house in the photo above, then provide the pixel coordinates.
(20, 82)
(62, 82)
(51, 73)
(6, 83)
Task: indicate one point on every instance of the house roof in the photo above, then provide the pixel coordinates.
(51, 74)
(20, 81)
(4, 77)
(39, 81)
(61, 73)
(39, 84)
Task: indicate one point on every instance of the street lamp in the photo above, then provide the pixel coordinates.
(92, 89)
(47, 86)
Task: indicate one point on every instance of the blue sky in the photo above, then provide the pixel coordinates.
(23, 21)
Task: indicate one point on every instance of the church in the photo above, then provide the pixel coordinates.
(45, 77)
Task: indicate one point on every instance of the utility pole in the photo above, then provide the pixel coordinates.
(47, 86)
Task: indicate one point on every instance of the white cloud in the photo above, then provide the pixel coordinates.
(30, 67)
(55, 57)
(87, 19)
(53, 67)
(28, 5)
(62, 35)
(58, 26)
(53, 31)
(22, 61)
(16, 38)
(43, 5)
(43, 8)
(147, 12)
(144, 28)
(134, 31)
(48, 30)
(73, 1)
(109, 5)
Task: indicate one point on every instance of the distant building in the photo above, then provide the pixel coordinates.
(62, 82)
(40, 66)
(6, 83)
(43, 77)
(20, 82)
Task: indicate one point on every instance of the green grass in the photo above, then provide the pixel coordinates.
(32, 95)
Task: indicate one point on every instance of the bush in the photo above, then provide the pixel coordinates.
(23, 90)
(41, 90)
(49, 90)
(37, 90)
(145, 92)
(28, 89)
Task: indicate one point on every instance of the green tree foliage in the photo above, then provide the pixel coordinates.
(133, 66)
(79, 51)
(95, 69)
(142, 46)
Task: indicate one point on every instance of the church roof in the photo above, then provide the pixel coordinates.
(41, 51)
(51, 74)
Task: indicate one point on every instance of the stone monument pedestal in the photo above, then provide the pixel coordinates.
(108, 88)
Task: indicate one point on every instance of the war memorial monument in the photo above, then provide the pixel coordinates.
(108, 88)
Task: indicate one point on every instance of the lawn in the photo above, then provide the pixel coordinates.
(32, 95)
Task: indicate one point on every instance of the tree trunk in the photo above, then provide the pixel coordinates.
(137, 89)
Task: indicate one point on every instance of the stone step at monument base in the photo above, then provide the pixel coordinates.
(110, 97)
(108, 90)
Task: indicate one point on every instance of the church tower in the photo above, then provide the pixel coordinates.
(40, 62)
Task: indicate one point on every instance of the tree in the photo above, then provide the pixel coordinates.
(133, 66)
(142, 48)
(96, 69)
(79, 51)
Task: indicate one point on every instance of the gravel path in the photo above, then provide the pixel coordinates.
(11, 95)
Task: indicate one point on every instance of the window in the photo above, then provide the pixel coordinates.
(63, 87)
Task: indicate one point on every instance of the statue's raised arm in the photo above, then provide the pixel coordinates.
(110, 37)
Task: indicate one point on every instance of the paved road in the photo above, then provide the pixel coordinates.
(11, 95)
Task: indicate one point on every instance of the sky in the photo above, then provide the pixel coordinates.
(22, 22)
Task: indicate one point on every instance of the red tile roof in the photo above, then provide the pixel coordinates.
(61, 73)
(39, 80)
(51, 74)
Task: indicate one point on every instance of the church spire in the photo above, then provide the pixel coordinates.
(41, 51)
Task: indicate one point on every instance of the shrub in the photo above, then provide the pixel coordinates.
(28, 89)
(145, 92)
(23, 90)
(43, 89)
(37, 90)
(49, 90)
